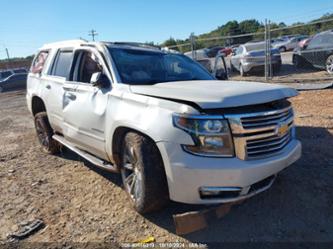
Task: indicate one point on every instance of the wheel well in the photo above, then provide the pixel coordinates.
(37, 105)
(117, 140)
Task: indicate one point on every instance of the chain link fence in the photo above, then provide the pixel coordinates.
(284, 55)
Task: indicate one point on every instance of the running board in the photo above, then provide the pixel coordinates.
(94, 160)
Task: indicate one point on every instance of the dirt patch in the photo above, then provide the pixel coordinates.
(80, 203)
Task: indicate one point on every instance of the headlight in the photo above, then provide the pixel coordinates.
(211, 134)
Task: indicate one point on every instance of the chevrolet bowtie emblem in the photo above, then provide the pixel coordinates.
(282, 129)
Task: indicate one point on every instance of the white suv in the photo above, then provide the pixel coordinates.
(160, 119)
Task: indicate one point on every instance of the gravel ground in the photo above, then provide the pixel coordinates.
(80, 203)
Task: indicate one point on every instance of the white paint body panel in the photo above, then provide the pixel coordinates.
(90, 120)
(218, 94)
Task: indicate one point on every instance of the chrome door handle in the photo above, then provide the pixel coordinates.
(68, 88)
(70, 96)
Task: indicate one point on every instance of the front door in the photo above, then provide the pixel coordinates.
(85, 105)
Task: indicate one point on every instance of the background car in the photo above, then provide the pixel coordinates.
(6, 73)
(289, 43)
(303, 43)
(213, 51)
(251, 57)
(14, 81)
(318, 53)
(198, 54)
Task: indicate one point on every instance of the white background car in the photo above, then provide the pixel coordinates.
(288, 43)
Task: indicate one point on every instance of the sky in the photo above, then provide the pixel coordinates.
(27, 25)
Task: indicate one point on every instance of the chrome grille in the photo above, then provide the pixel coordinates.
(261, 134)
(266, 120)
(259, 147)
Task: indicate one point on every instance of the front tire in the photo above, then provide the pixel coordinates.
(329, 64)
(143, 174)
(45, 132)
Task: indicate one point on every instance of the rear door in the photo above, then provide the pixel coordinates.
(85, 105)
(54, 86)
(326, 49)
(313, 50)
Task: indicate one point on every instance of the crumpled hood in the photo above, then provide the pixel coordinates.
(217, 94)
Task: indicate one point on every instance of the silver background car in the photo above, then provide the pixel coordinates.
(251, 57)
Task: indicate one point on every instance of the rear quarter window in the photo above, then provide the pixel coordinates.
(39, 62)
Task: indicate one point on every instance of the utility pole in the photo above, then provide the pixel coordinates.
(266, 51)
(8, 57)
(193, 46)
(93, 33)
(270, 50)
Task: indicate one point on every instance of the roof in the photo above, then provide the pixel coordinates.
(67, 43)
(72, 43)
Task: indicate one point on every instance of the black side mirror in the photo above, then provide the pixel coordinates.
(100, 80)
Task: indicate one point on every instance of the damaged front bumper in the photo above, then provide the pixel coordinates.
(190, 177)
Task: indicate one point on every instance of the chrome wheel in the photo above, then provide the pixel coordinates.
(131, 173)
(329, 64)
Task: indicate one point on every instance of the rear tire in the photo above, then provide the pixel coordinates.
(1, 89)
(45, 132)
(143, 174)
(329, 64)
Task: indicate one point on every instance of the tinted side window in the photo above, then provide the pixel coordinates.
(328, 40)
(89, 65)
(315, 42)
(62, 64)
(5, 74)
(239, 50)
(20, 71)
(39, 61)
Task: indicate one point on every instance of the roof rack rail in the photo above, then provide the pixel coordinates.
(136, 44)
(87, 45)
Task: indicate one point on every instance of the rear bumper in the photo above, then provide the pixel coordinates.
(187, 173)
(258, 65)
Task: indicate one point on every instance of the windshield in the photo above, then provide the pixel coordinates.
(149, 67)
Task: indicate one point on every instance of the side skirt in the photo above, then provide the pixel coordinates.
(89, 157)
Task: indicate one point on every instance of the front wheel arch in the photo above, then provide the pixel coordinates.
(117, 139)
(37, 105)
